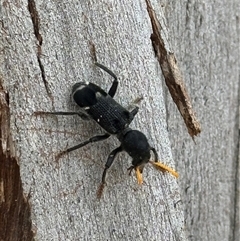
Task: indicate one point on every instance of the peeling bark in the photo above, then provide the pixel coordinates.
(172, 74)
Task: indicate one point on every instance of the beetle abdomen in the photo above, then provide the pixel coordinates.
(109, 114)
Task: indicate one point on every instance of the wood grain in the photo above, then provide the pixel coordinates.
(64, 204)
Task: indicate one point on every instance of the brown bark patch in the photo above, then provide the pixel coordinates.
(172, 74)
(15, 214)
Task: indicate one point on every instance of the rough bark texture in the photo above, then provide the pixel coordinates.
(205, 38)
(171, 72)
(15, 211)
(46, 48)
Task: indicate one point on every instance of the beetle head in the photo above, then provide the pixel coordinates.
(136, 145)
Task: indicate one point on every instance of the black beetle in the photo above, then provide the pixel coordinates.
(100, 106)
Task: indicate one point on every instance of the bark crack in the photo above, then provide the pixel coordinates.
(172, 74)
(36, 23)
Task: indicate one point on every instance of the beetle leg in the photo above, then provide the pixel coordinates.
(109, 162)
(90, 140)
(114, 86)
(80, 114)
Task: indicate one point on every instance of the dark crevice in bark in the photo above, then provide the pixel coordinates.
(172, 74)
(36, 22)
(15, 210)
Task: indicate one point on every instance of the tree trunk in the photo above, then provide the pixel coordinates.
(205, 37)
(46, 47)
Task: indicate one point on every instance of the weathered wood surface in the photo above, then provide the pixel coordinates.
(38, 67)
(205, 37)
(45, 48)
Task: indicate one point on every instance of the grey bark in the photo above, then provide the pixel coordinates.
(205, 37)
(40, 60)
(46, 50)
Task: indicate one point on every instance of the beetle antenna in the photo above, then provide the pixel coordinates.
(164, 168)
